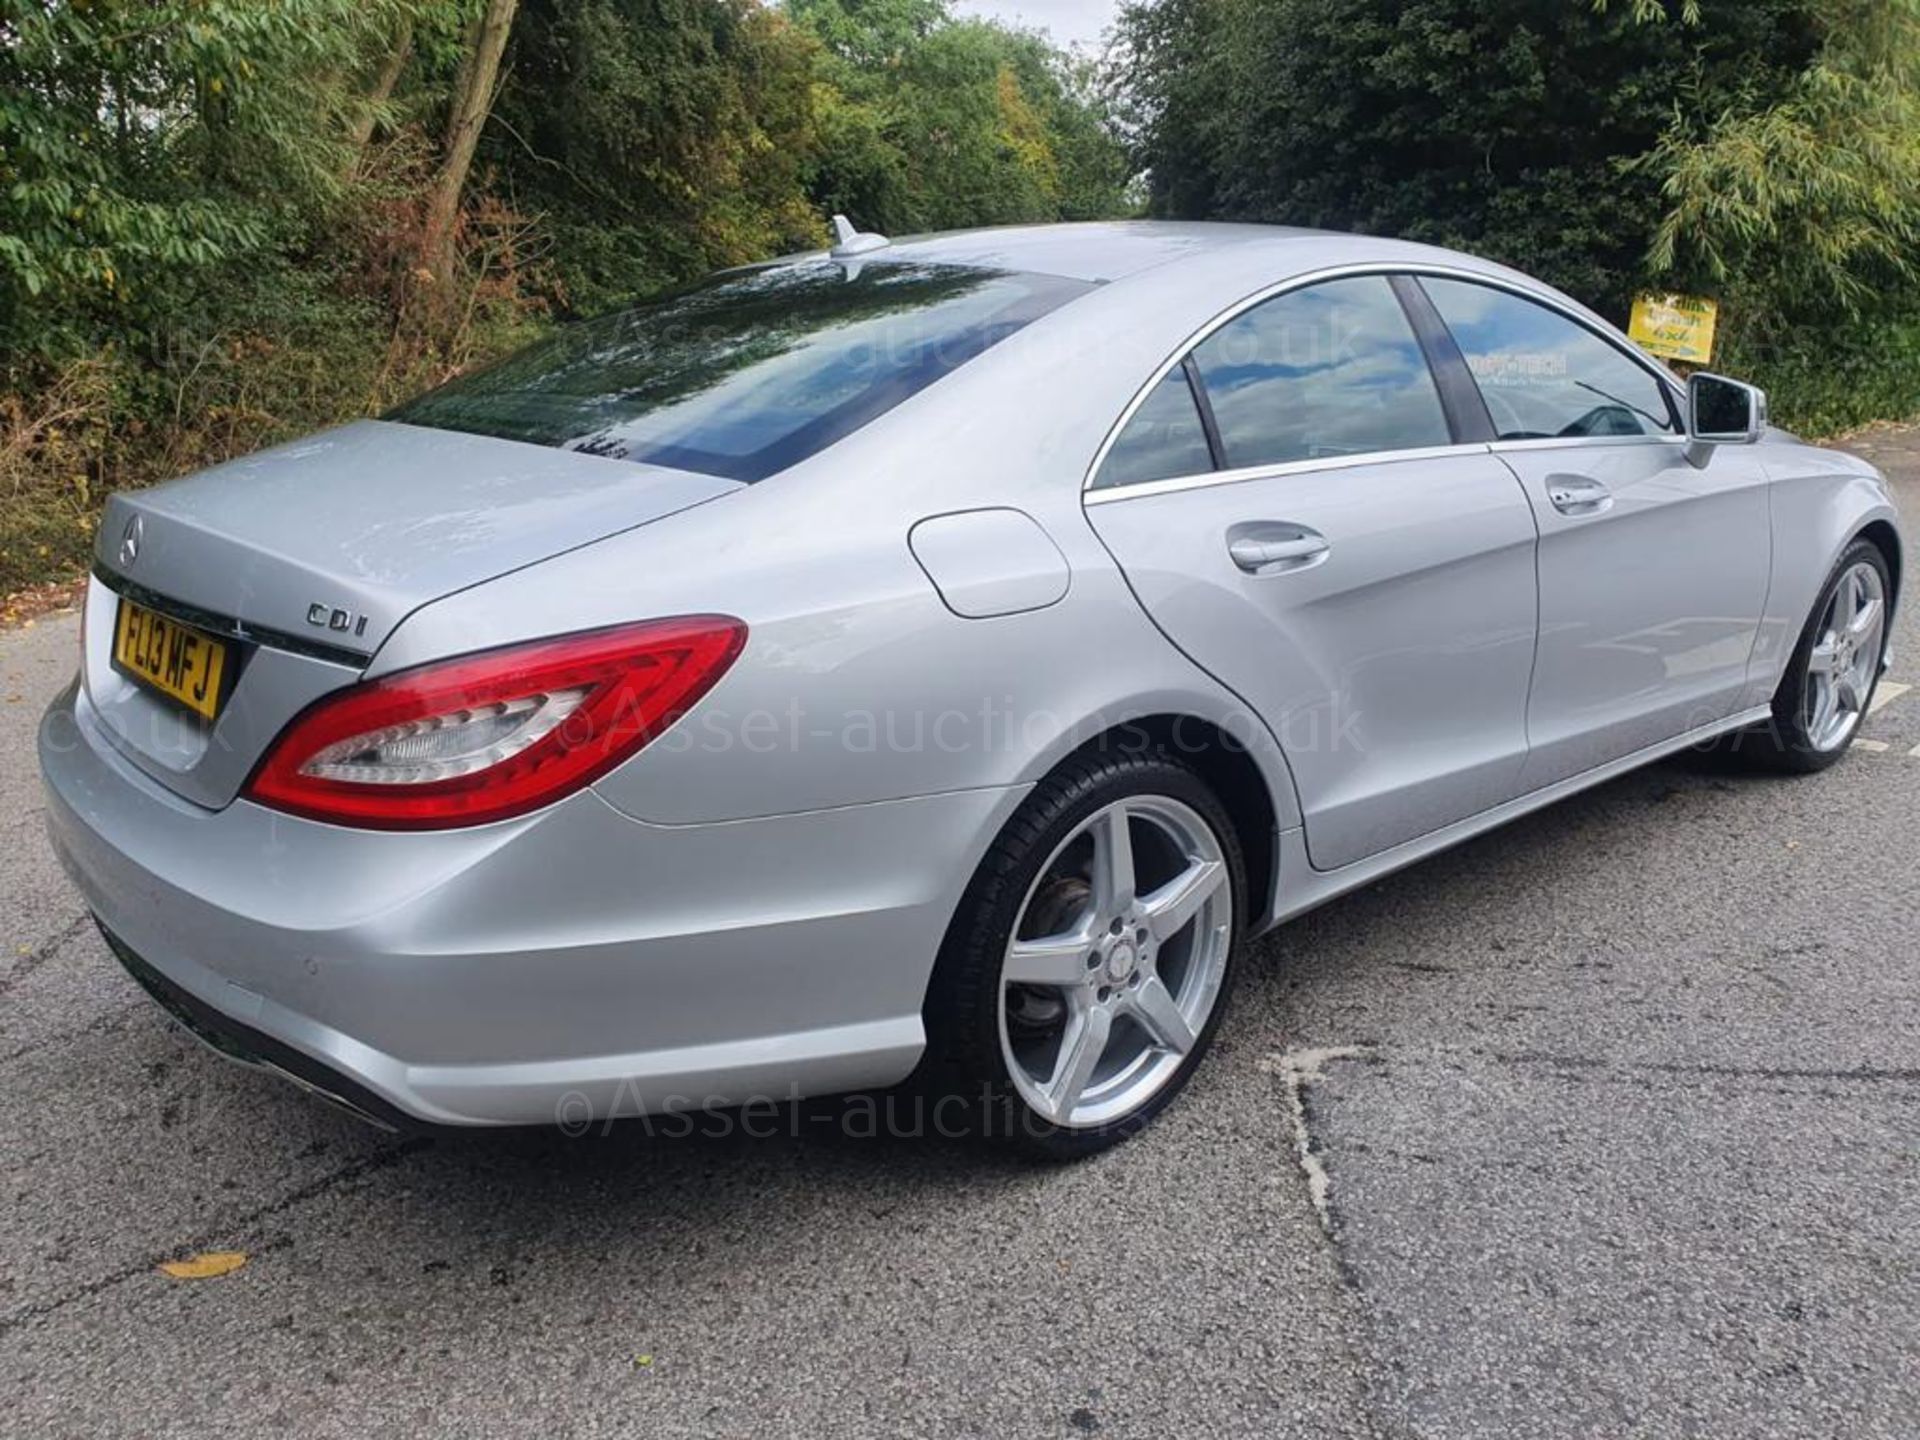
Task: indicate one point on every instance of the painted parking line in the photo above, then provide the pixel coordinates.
(1872, 747)
(1886, 695)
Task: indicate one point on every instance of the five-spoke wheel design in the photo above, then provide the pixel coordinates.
(1116, 961)
(1845, 659)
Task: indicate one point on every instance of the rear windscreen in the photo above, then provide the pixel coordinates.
(749, 373)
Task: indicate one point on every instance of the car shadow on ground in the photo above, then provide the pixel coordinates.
(902, 1130)
(713, 1240)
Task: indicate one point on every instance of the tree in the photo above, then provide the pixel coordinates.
(467, 112)
(385, 80)
(145, 143)
(936, 123)
(659, 139)
(202, 251)
(1811, 203)
(1763, 152)
(662, 138)
(869, 34)
(1503, 126)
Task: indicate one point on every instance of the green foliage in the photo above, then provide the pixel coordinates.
(1809, 205)
(1494, 125)
(146, 140)
(1832, 379)
(931, 124)
(1649, 12)
(972, 140)
(1765, 152)
(660, 138)
(870, 34)
(211, 211)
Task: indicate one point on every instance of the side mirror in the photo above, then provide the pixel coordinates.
(1725, 412)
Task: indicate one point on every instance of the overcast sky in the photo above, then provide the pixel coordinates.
(1070, 22)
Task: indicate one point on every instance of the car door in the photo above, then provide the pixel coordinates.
(1654, 554)
(1302, 513)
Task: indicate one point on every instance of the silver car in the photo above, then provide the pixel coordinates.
(929, 659)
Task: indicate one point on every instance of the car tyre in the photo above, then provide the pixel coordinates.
(1829, 683)
(1054, 957)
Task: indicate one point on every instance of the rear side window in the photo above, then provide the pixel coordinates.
(1545, 376)
(1334, 369)
(749, 373)
(1163, 440)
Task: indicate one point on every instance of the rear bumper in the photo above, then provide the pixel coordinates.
(255, 1048)
(566, 966)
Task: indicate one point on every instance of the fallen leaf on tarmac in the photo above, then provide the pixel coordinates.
(644, 1362)
(205, 1265)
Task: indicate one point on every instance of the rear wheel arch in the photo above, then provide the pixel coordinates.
(969, 1054)
(1229, 770)
(1244, 786)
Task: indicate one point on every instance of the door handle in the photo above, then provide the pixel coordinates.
(1578, 495)
(1270, 547)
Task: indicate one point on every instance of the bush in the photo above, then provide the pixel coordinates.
(1498, 126)
(213, 212)
(1765, 152)
(1836, 382)
(259, 354)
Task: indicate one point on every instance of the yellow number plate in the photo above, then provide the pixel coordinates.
(182, 663)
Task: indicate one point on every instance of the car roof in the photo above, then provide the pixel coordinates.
(1104, 251)
(1181, 253)
(1090, 250)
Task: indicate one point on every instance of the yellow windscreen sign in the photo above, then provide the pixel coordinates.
(1675, 327)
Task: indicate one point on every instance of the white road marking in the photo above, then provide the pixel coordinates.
(1872, 747)
(1886, 695)
(1915, 752)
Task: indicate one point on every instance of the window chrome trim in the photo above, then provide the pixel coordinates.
(1108, 494)
(1568, 442)
(1093, 494)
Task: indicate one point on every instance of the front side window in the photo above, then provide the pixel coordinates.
(1331, 370)
(749, 373)
(1163, 441)
(1544, 376)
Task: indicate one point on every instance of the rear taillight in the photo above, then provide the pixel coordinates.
(496, 734)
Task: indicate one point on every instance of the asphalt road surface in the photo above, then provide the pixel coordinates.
(1605, 1125)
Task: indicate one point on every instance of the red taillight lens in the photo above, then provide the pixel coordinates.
(496, 734)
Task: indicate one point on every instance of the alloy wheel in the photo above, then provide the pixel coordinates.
(1843, 663)
(1116, 961)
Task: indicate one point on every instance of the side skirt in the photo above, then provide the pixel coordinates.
(1301, 888)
